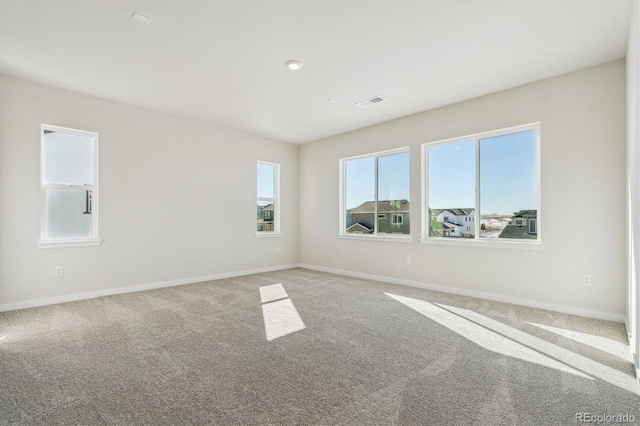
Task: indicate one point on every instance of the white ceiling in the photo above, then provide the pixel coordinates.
(223, 61)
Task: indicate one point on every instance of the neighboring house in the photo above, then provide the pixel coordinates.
(523, 225)
(358, 228)
(453, 223)
(393, 217)
(265, 218)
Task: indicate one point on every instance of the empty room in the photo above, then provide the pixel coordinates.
(319, 212)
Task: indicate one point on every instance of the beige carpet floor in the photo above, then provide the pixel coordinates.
(367, 353)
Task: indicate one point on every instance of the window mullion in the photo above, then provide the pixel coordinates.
(65, 186)
(426, 213)
(477, 189)
(375, 198)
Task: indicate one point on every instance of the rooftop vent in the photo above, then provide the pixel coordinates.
(368, 102)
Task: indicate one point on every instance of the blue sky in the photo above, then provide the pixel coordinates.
(508, 181)
(393, 177)
(265, 180)
(507, 175)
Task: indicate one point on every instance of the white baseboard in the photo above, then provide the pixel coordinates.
(462, 292)
(478, 294)
(132, 289)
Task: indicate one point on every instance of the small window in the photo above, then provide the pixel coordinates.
(532, 226)
(69, 184)
(374, 186)
(268, 188)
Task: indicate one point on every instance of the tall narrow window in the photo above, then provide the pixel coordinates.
(69, 182)
(376, 194)
(268, 205)
(490, 180)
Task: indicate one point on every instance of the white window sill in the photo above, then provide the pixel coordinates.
(491, 243)
(364, 237)
(68, 243)
(268, 235)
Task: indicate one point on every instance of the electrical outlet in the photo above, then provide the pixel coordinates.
(407, 261)
(278, 250)
(59, 271)
(586, 279)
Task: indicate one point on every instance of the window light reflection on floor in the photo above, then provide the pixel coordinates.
(270, 293)
(280, 315)
(604, 344)
(498, 337)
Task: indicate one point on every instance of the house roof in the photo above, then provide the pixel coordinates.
(268, 208)
(455, 212)
(387, 206)
(527, 214)
(520, 232)
(358, 227)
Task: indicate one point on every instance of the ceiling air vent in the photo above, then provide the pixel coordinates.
(368, 102)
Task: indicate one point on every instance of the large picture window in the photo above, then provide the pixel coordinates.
(268, 211)
(376, 194)
(69, 184)
(483, 187)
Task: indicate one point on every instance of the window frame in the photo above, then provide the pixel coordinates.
(477, 241)
(342, 212)
(93, 239)
(275, 200)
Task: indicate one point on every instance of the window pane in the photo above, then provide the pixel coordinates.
(508, 185)
(360, 179)
(393, 193)
(452, 176)
(68, 159)
(266, 216)
(66, 217)
(266, 180)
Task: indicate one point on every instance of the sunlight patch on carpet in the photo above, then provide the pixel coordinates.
(506, 340)
(281, 318)
(482, 336)
(280, 315)
(270, 293)
(604, 344)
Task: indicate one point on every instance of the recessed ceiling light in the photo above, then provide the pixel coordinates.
(141, 18)
(331, 101)
(293, 65)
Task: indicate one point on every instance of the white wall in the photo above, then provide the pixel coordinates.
(582, 115)
(633, 185)
(177, 197)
